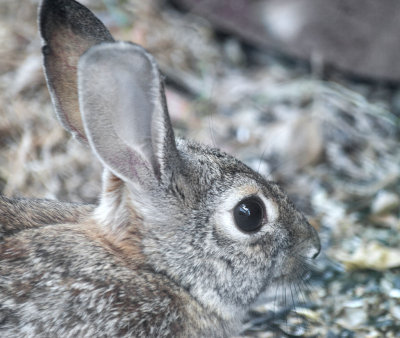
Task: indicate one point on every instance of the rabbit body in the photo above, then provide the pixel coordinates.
(22, 213)
(184, 239)
(71, 281)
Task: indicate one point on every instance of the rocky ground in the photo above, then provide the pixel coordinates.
(331, 141)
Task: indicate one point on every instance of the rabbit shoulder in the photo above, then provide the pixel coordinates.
(18, 214)
(71, 280)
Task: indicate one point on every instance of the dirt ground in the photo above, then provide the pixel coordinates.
(330, 141)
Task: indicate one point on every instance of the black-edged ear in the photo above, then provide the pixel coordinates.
(124, 113)
(68, 30)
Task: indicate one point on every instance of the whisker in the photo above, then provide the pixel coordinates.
(275, 298)
(285, 306)
(303, 286)
(212, 136)
(307, 264)
(300, 293)
(261, 159)
(279, 166)
(300, 243)
(291, 294)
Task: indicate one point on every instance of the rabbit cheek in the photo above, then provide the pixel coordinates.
(288, 264)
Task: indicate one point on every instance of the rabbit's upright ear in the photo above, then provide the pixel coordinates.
(124, 112)
(68, 29)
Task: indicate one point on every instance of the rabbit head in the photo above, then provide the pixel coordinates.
(199, 216)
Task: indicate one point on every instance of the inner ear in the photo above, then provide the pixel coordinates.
(124, 113)
(68, 29)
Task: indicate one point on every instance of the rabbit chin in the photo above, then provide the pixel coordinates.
(212, 300)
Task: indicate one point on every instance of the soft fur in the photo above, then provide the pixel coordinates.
(161, 254)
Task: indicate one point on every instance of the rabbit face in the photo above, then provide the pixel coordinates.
(192, 236)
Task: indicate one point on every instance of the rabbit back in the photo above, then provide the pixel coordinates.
(69, 280)
(18, 214)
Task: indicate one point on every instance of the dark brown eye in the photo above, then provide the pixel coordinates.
(249, 214)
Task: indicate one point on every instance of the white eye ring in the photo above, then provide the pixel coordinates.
(224, 218)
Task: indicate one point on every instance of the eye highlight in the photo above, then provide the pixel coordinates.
(249, 214)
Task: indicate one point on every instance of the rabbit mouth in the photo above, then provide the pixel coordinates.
(296, 269)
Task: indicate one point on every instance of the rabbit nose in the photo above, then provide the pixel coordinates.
(316, 253)
(313, 251)
(312, 244)
(316, 244)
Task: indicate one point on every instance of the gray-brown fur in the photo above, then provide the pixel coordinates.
(102, 296)
(161, 254)
(21, 213)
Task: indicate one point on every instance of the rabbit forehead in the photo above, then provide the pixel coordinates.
(210, 165)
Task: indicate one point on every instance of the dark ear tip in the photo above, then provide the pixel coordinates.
(46, 50)
(49, 9)
(70, 14)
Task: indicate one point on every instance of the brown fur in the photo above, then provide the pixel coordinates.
(20, 214)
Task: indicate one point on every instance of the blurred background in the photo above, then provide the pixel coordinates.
(305, 92)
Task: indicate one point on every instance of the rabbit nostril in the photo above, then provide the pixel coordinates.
(317, 251)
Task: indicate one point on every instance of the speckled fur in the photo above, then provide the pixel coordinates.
(21, 213)
(151, 260)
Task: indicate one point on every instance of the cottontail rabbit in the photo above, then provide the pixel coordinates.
(184, 238)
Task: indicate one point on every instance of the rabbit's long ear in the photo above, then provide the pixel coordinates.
(68, 29)
(124, 112)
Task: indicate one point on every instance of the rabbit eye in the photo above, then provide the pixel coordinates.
(249, 214)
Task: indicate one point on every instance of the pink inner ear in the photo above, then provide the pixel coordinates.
(122, 105)
(61, 69)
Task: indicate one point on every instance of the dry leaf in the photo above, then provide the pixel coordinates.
(372, 255)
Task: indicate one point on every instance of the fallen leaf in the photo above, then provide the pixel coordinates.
(371, 255)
